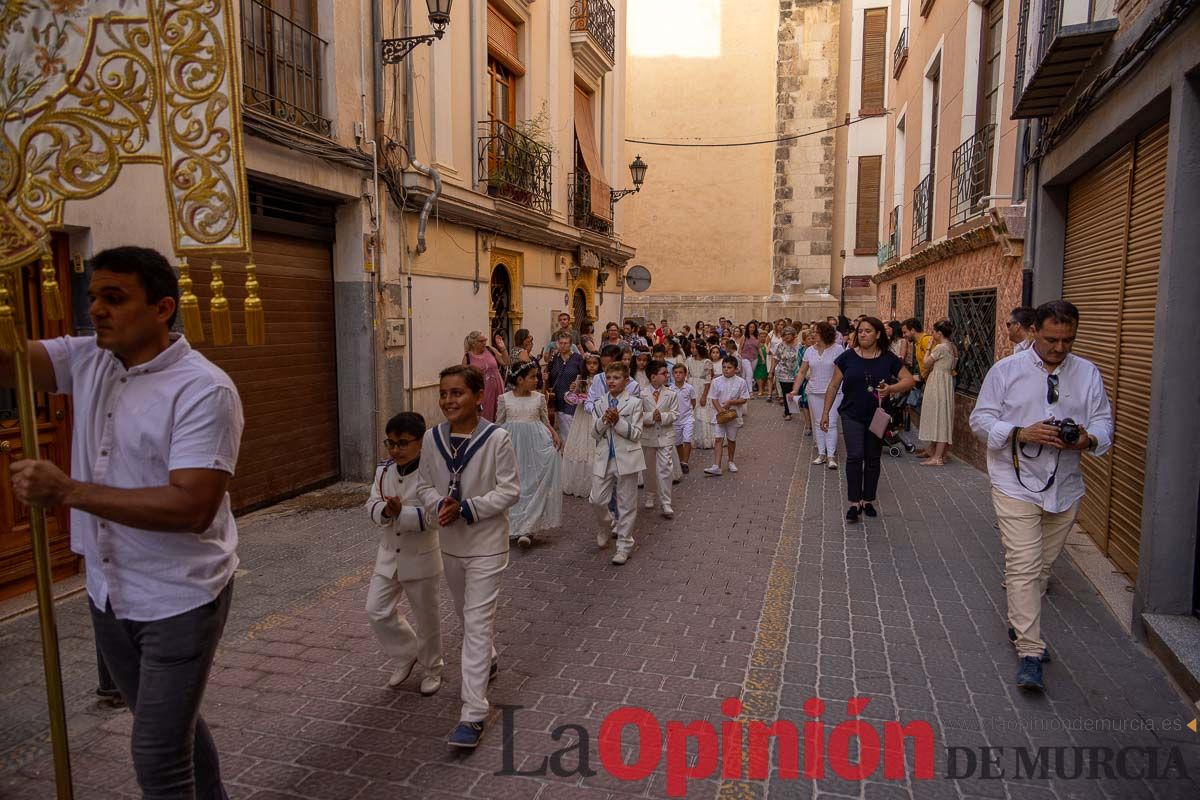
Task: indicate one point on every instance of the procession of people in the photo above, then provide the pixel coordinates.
(618, 422)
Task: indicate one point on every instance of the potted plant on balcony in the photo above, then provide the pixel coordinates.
(514, 163)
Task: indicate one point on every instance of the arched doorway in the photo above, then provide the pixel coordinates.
(579, 309)
(501, 308)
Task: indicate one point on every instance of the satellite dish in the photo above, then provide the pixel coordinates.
(638, 278)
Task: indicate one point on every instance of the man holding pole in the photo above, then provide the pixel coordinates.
(156, 435)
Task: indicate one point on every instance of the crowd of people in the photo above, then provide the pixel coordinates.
(157, 432)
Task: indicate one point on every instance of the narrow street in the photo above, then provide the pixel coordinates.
(756, 590)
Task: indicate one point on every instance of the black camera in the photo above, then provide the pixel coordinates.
(1068, 430)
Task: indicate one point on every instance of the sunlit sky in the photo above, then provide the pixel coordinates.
(674, 28)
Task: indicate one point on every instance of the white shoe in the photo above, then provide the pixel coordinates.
(714, 470)
(819, 460)
(401, 674)
(650, 501)
(732, 467)
(430, 685)
(832, 464)
(602, 539)
(620, 558)
(668, 512)
(524, 541)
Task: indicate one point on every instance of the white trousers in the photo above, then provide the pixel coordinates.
(1032, 539)
(826, 440)
(626, 488)
(396, 637)
(660, 473)
(475, 586)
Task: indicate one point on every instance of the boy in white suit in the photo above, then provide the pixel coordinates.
(617, 429)
(409, 561)
(660, 409)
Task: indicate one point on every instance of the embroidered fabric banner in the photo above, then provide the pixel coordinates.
(87, 86)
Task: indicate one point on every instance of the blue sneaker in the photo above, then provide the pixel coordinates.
(1012, 637)
(1029, 676)
(466, 735)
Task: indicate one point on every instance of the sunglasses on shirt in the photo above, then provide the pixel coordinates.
(1051, 389)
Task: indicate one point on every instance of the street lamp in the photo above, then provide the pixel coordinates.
(393, 51)
(638, 170)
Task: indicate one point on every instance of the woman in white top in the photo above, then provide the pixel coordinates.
(818, 370)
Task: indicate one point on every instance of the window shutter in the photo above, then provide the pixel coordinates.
(502, 40)
(874, 61)
(866, 229)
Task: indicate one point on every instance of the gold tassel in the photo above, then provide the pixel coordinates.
(189, 305)
(52, 304)
(256, 321)
(218, 310)
(9, 340)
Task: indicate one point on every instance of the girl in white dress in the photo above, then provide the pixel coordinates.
(700, 375)
(579, 448)
(523, 413)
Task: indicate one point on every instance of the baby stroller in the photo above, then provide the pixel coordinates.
(892, 441)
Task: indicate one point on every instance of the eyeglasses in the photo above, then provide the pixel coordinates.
(1051, 388)
(391, 444)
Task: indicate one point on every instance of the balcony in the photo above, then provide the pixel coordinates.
(922, 226)
(890, 247)
(900, 54)
(971, 176)
(593, 37)
(515, 167)
(281, 69)
(1050, 59)
(581, 205)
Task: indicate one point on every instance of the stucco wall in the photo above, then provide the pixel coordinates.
(702, 224)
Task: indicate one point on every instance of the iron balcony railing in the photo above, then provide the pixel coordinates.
(889, 248)
(971, 176)
(900, 54)
(581, 205)
(598, 18)
(282, 64)
(515, 167)
(922, 226)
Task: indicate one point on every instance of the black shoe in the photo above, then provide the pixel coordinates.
(494, 670)
(1029, 675)
(684, 467)
(1012, 637)
(870, 511)
(852, 514)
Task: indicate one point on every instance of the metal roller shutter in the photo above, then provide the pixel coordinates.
(1114, 232)
(1137, 349)
(289, 385)
(1093, 268)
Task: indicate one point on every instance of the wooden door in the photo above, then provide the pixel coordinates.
(54, 444)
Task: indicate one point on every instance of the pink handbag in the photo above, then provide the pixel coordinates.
(879, 422)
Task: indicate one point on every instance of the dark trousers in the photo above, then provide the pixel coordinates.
(161, 669)
(785, 388)
(863, 452)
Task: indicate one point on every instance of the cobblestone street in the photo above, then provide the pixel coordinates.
(756, 590)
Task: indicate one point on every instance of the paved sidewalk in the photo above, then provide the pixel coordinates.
(756, 590)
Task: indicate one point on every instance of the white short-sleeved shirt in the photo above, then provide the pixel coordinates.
(820, 367)
(686, 394)
(726, 389)
(132, 428)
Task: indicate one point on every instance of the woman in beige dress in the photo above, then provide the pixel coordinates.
(937, 406)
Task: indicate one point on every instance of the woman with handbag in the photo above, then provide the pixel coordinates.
(867, 376)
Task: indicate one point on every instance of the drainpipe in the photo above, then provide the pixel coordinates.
(1031, 216)
(370, 130)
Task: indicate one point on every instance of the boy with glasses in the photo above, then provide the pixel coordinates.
(409, 561)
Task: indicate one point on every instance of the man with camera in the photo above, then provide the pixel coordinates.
(1039, 410)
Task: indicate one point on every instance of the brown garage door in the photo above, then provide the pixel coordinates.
(289, 385)
(1110, 271)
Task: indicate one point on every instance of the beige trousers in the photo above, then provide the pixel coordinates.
(1033, 539)
(626, 488)
(475, 586)
(396, 637)
(660, 473)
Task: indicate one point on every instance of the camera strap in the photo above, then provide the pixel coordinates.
(1016, 461)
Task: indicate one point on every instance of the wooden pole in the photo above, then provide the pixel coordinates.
(27, 416)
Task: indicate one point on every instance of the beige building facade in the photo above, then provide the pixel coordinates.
(734, 106)
(395, 208)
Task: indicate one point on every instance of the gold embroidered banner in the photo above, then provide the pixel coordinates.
(87, 86)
